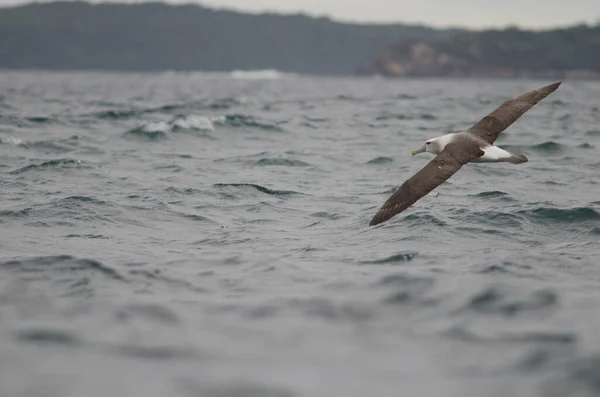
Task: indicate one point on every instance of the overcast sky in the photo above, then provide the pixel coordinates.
(467, 13)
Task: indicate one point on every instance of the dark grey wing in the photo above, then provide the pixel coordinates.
(436, 172)
(500, 119)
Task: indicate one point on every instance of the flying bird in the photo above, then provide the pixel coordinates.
(457, 149)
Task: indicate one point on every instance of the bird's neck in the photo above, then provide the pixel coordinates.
(443, 140)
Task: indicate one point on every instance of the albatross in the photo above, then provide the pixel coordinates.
(454, 150)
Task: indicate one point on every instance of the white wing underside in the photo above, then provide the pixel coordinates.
(492, 154)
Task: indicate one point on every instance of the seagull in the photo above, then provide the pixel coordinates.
(476, 145)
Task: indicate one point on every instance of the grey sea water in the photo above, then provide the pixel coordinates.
(206, 235)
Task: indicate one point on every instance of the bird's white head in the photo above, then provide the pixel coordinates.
(434, 145)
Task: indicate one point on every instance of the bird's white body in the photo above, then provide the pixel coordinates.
(492, 153)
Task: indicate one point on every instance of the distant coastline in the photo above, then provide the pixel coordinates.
(154, 37)
(158, 37)
(572, 53)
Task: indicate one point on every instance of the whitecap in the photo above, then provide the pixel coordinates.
(11, 140)
(156, 126)
(202, 123)
(264, 74)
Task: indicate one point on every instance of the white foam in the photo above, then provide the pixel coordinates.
(195, 122)
(190, 122)
(11, 140)
(157, 126)
(265, 74)
(218, 119)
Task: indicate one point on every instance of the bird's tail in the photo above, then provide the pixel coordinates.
(517, 159)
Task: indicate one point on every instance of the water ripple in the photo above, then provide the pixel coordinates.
(259, 188)
(282, 161)
(149, 217)
(58, 264)
(380, 160)
(569, 215)
(46, 336)
(494, 300)
(49, 165)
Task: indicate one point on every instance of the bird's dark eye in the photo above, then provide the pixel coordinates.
(427, 143)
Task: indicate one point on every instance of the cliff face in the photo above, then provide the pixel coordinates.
(566, 53)
(418, 59)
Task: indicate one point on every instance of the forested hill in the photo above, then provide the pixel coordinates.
(155, 36)
(567, 52)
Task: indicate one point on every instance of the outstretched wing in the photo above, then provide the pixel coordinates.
(500, 119)
(436, 172)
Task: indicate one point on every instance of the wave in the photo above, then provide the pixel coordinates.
(40, 120)
(60, 264)
(494, 218)
(87, 236)
(404, 256)
(407, 289)
(282, 161)
(224, 103)
(401, 116)
(569, 215)
(491, 194)
(494, 300)
(64, 145)
(575, 377)
(327, 215)
(330, 310)
(406, 96)
(259, 188)
(494, 195)
(380, 160)
(193, 122)
(423, 219)
(27, 121)
(548, 146)
(159, 130)
(240, 120)
(518, 218)
(68, 211)
(51, 164)
(208, 104)
(117, 114)
(48, 336)
(547, 337)
(151, 131)
(10, 140)
(261, 74)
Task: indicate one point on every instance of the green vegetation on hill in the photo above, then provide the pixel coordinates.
(155, 36)
(560, 49)
(573, 51)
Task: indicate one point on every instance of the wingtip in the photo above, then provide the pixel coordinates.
(374, 222)
(548, 89)
(381, 216)
(377, 219)
(555, 85)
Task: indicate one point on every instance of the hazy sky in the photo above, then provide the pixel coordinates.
(467, 13)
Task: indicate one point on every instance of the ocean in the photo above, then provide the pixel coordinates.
(206, 234)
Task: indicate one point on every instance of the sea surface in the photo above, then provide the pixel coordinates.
(197, 234)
